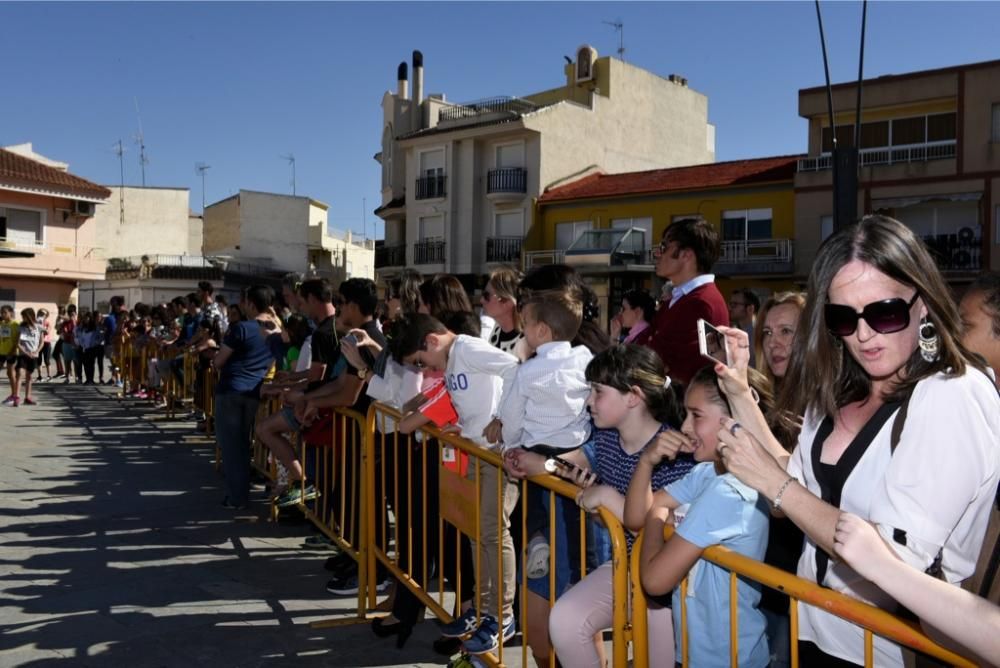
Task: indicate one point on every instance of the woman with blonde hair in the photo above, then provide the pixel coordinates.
(499, 302)
(775, 330)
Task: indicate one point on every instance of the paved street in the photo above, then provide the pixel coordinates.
(115, 550)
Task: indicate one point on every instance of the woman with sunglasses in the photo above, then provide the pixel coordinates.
(901, 427)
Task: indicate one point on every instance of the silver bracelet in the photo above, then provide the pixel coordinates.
(776, 504)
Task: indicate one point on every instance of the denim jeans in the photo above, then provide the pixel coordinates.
(234, 419)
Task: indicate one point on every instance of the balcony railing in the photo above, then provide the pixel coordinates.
(390, 256)
(961, 251)
(868, 157)
(430, 187)
(539, 258)
(429, 251)
(503, 249)
(512, 106)
(757, 256)
(507, 180)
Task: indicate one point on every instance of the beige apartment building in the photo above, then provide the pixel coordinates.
(460, 181)
(284, 233)
(48, 241)
(929, 156)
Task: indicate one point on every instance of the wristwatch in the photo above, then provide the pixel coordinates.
(364, 373)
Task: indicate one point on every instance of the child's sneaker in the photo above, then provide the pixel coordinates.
(17, 401)
(9, 401)
(487, 636)
(537, 563)
(462, 625)
(28, 401)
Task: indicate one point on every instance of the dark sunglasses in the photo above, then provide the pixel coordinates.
(885, 317)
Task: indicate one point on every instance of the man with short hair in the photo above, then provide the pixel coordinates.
(743, 306)
(687, 251)
(209, 308)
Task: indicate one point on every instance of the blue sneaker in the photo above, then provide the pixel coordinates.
(462, 625)
(487, 636)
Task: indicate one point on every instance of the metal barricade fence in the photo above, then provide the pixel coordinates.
(874, 621)
(336, 468)
(400, 474)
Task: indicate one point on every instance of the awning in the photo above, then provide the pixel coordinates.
(903, 202)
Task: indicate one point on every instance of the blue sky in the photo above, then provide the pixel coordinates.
(237, 85)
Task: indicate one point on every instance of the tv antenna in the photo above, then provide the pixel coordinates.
(119, 150)
(620, 29)
(200, 168)
(291, 161)
(141, 141)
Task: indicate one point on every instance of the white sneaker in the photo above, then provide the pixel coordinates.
(537, 562)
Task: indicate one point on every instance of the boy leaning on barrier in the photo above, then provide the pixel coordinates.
(545, 409)
(476, 374)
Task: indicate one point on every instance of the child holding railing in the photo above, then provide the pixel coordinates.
(475, 375)
(718, 510)
(634, 408)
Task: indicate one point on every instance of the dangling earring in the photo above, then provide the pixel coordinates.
(929, 341)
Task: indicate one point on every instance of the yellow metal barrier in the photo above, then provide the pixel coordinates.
(873, 620)
(340, 510)
(460, 506)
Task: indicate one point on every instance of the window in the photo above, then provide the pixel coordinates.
(909, 130)
(941, 127)
(21, 226)
(509, 224)
(996, 123)
(845, 137)
(431, 227)
(8, 296)
(387, 156)
(567, 233)
(825, 227)
(746, 225)
(510, 155)
(875, 135)
(644, 224)
(432, 163)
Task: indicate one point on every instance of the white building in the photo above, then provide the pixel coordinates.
(459, 181)
(286, 233)
(140, 220)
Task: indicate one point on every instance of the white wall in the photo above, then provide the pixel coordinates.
(276, 227)
(156, 222)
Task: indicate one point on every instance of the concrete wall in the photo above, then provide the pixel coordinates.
(156, 222)
(221, 227)
(98, 294)
(37, 293)
(982, 91)
(276, 227)
(195, 234)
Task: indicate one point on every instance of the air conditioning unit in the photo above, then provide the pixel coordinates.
(83, 208)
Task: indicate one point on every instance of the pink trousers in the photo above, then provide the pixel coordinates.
(585, 610)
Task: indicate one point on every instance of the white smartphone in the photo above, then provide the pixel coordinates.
(712, 343)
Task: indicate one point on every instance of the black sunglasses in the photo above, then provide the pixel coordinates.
(885, 317)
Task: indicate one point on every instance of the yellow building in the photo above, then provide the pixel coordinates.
(606, 225)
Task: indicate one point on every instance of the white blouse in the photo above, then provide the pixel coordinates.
(937, 488)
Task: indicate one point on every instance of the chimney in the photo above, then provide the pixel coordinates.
(402, 86)
(418, 77)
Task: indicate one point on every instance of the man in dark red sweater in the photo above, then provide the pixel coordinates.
(687, 251)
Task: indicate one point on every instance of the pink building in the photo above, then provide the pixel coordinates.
(47, 232)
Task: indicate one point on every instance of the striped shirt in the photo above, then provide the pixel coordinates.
(615, 467)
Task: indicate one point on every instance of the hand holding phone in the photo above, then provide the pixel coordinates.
(712, 343)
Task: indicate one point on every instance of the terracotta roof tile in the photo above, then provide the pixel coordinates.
(20, 171)
(696, 177)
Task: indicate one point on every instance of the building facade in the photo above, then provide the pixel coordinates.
(929, 156)
(285, 233)
(48, 237)
(459, 181)
(140, 220)
(606, 224)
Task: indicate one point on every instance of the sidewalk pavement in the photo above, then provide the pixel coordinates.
(115, 551)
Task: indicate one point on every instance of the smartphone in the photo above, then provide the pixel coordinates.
(555, 462)
(350, 338)
(712, 343)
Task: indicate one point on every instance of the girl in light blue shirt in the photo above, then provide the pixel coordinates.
(710, 507)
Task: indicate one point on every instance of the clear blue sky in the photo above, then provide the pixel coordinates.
(236, 85)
